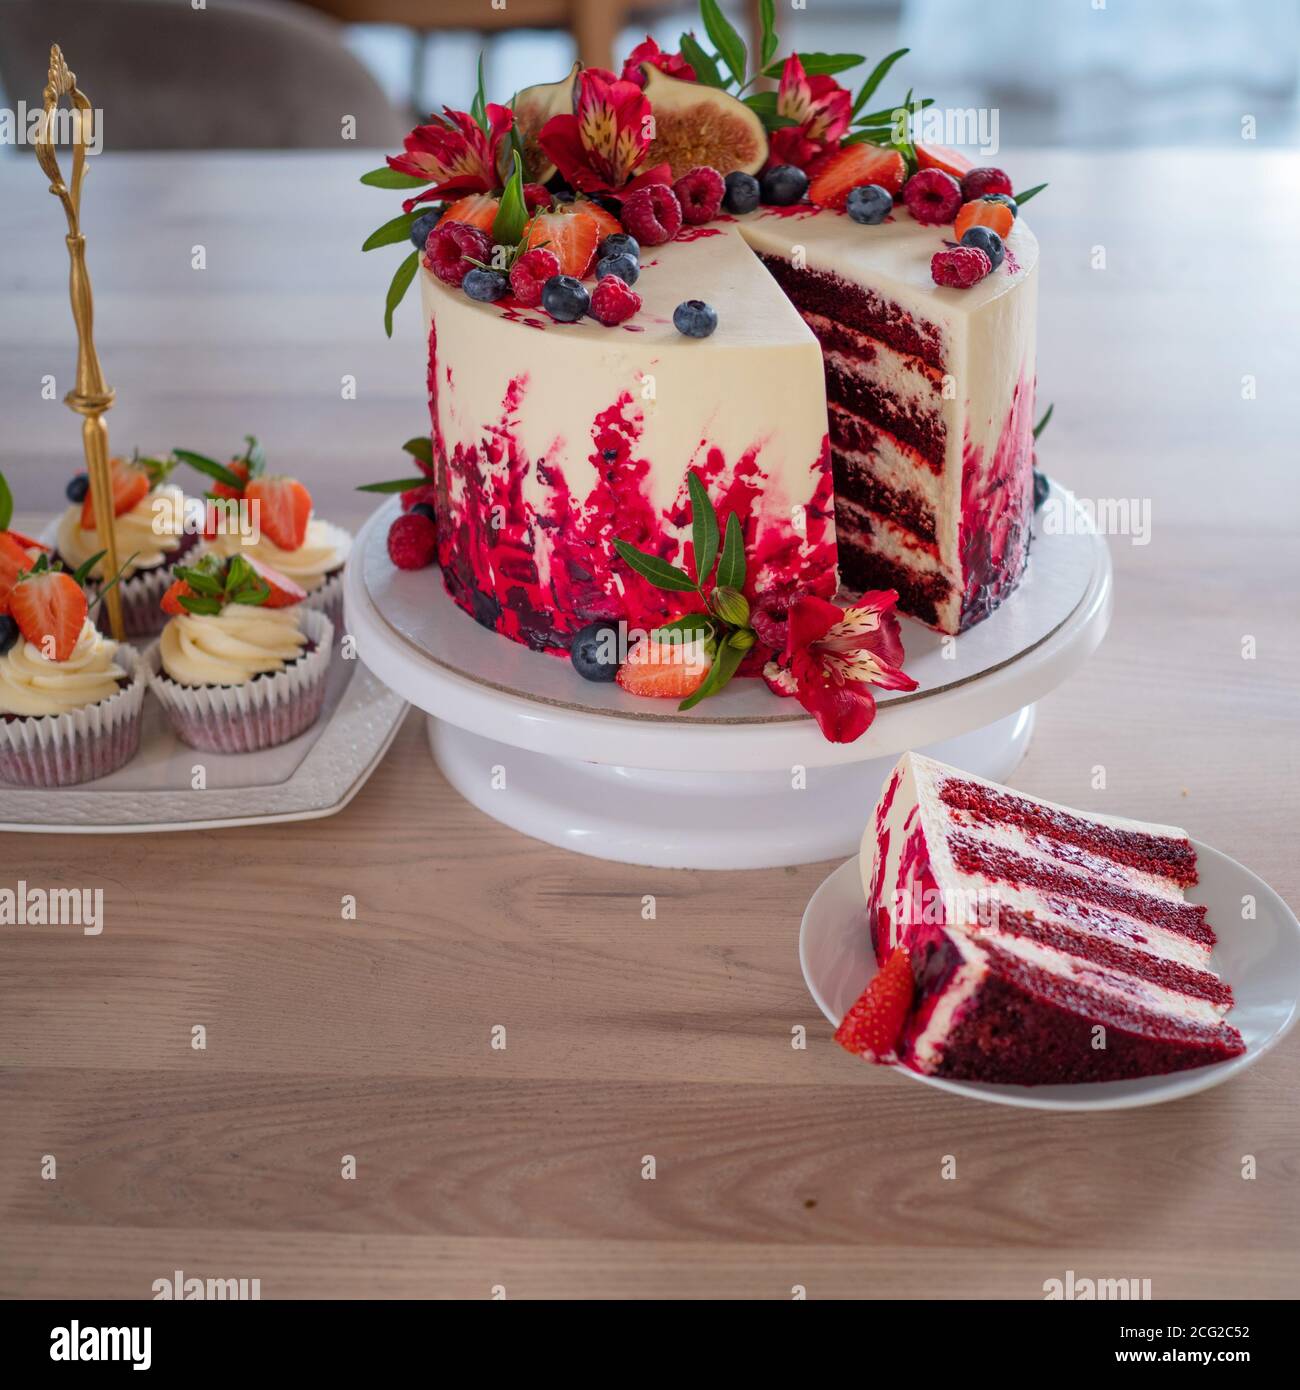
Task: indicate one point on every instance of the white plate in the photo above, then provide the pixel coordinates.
(1260, 959)
(315, 774)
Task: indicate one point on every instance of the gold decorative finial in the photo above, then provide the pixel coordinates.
(91, 397)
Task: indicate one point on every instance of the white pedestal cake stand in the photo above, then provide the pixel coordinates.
(745, 780)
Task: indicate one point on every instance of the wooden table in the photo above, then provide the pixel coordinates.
(522, 1167)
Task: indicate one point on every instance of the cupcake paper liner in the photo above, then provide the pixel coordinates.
(60, 750)
(328, 599)
(260, 713)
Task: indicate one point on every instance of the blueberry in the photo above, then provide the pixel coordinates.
(869, 204)
(988, 241)
(695, 318)
(8, 632)
(783, 185)
(487, 285)
(564, 298)
(625, 267)
(1042, 486)
(424, 509)
(1004, 198)
(620, 244)
(78, 488)
(743, 192)
(423, 225)
(594, 651)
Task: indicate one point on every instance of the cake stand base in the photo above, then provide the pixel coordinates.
(697, 820)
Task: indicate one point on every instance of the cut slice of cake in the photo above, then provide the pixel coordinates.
(1046, 945)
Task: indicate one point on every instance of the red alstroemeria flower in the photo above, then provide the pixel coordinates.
(834, 655)
(454, 153)
(822, 108)
(650, 52)
(598, 149)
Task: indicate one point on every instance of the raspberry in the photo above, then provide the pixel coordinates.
(653, 214)
(961, 267)
(530, 272)
(428, 494)
(537, 195)
(981, 181)
(412, 541)
(612, 301)
(700, 192)
(451, 247)
(932, 197)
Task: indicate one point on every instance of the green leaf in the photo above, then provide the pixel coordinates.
(885, 116)
(478, 109)
(1042, 424)
(731, 568)
(730, 46)
(769, 42)
(512, 213)
(82, 572)
(704, 527)
(1023, 198)
(399, 229)
(6, 504)
(706, 68)
(254, 596)
(725, 665)
(819, 64)
(693, 624)
(401, 283)
(210, 467)
(421, 447)
(392, 178)
(659, 572)
(395, 484)
(254, 456)
(876, 77)
(196, 603)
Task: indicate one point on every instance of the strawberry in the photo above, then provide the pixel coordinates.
(872, 1025)
(130, 484)
(834, 174)
(609, 224)
(50, 610)
(982, 213)
(284, 592)
(941, 157)
(664, 670)
(171, 600)
(239, 467)
(475, 210)
(285, 509)
(572, 236)
(13, 559)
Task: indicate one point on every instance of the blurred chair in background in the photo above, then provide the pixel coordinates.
(234, 75)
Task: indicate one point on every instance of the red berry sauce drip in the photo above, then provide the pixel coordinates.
(877, 912)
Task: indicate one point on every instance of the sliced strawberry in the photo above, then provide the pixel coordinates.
(171, 600)
(664, 670)
(609, 224)
(50, 610)
(834, 174)
(284, 591)
(285, 509)
(130, 484)
(476, 210)
(983, 214)
(14, 558)
(572, 236)
(239, 467)
(871, 1027)
(941, 157)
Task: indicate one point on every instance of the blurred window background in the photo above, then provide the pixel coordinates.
(270, 73)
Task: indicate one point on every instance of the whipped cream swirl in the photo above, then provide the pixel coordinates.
(230, 647)
(33, 685)
(324, 548)
(162, 507)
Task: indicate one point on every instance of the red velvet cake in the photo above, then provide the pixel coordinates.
(1045, 945)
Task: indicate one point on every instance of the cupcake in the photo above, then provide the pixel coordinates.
(242, 661)
(149, 527)
(70, 698)
(277, 528)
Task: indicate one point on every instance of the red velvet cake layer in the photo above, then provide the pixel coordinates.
(861, 569)
(854, 482)
(921, 430)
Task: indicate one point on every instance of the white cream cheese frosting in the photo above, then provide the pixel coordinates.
(32, 685)
(324, 548)
(148, 532)
(230, 647)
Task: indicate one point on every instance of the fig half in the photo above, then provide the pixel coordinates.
(695, 124)
(533, 107)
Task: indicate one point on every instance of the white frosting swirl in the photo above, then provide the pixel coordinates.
(31, 684)
(135, 531)
(230, 647)
(324, 548)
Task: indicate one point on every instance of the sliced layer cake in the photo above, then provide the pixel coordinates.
(1044, 944)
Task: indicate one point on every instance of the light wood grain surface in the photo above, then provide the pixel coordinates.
(522, 1168)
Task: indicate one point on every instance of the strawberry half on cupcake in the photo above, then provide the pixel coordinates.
(270, 518)
(149, 525)
(70, 697)
(242, 661)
